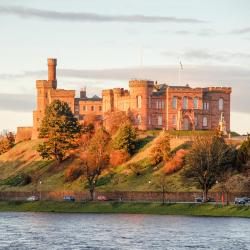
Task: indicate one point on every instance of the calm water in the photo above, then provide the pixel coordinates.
(92, 231)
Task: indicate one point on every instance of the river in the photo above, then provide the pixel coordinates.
(49, 231)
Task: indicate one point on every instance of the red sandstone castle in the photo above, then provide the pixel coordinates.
(152, 105)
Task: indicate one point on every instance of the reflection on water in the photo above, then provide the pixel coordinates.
(96, 231)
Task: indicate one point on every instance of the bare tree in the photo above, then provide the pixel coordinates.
(208, 158)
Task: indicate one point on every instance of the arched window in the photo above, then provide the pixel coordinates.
(139, 102)
(174, 120)
(204, 121)
(195, 121)
(159, 120)
(139, 119)
(221, 104)
(174, 102)
(196, 103)
(185, 102)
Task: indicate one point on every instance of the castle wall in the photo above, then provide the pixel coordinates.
(23, 134)
(149, 104)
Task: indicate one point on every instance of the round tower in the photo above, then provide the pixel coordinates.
(52, 62)
(140, 90)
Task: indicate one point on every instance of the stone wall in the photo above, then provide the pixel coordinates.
(23, 134)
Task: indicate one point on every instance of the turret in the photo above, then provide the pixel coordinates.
(52, 62)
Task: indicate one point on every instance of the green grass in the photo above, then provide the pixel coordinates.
(127, 207)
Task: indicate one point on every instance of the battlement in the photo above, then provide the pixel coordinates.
(141, 83)
(226, 90)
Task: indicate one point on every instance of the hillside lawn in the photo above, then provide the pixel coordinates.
(24, 159)
(128, 208)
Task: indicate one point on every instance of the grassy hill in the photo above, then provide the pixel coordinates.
(23, 161)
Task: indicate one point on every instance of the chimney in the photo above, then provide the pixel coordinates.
(83, 93)
(52, 62)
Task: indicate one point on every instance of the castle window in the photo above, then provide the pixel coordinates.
(196, 103)
(149, 120)
(204, 121)
(205, 105)
(185, 102)
(100, 108)
(174, 102)
(138, 99)
(195, 121)
(139, 119)
(174, 120)
(162, 104)
(221, 104)
(159, 120)
(84, 108)
(92, 108)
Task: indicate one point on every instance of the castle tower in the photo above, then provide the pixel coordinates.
(52, 62)
(140, 91)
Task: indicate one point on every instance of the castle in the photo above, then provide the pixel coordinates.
(152, 105)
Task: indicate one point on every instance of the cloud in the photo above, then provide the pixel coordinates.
(208, 55)
(90, 17)
(17, 102)
(241, 31)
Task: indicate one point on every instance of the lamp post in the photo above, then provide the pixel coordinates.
(40, 188)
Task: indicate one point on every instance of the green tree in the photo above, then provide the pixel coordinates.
(125, 138)
(207, 160)
(61, 131)
(95, 159)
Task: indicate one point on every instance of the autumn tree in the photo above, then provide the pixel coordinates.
(114, 119)
(125, 138)
(160, 150)
(95, 159)
(208, 158)
(7, 141)
(61, 132)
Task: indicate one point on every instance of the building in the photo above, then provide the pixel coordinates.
(151, 105)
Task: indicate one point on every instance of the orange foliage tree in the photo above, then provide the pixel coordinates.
(95, 158)
(176, 163)
(114, 119)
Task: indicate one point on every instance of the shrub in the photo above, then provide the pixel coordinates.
(136, 168)
(72, 173)
(176, 163)
(161, 149)
(118, 157)
(18, 180)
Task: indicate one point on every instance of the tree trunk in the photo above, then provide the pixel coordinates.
(205, 192)
(92, 190)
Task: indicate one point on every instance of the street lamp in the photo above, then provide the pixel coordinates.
(40, 188)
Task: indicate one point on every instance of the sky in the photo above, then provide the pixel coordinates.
(105, 43)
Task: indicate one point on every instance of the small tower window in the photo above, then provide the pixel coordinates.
(221, 104)
(139, 102)
(159, 120)
(139, 119)
(174, 120)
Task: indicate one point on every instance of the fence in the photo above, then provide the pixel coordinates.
(124, 196)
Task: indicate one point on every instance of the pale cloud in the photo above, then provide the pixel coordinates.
(245, 30)
(17, 102)
(25, 12)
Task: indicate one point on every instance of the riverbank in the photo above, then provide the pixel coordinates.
(127, 208)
